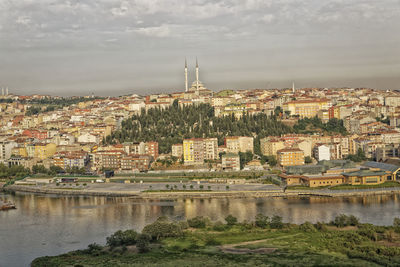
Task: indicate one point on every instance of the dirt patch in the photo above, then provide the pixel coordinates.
(233, 248)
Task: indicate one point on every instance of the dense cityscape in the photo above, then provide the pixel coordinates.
(253, 130)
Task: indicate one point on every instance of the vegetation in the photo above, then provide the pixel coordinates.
(175, 123)
(360, 156)
(350, 187)
(243, 244)
(311, 125)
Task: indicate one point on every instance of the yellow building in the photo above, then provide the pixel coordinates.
(306, 108)
(290, 157)
(193, 151)
(44, 151)
(270, 147)
(366, 177)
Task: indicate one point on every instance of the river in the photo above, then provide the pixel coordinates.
(50, 225)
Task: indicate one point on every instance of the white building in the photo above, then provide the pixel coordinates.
(322, 152)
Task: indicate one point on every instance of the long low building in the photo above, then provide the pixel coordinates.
(366, 177)
(312, 180)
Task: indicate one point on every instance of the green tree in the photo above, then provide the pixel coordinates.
(261, 220)
(307, 159)
(230, 220)
(122, 238)
(276, 222)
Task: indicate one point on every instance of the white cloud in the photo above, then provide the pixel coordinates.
(159, 31)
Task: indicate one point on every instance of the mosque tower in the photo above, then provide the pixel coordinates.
(293, 88)
(186, 77)
(197, 74)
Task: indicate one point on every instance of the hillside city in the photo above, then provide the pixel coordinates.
(294, 131)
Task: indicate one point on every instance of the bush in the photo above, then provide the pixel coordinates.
(368, 230)
(321, 227)
(94, 249)
(198, 222)
(261, 221)
(276, 222)
(121, 238)
(183, 224)
(219, 226)
(162, 227)
(343, 220)
(143, 243)
(230, 220)
(396, 224)
(308, 227)
(353, 220)
(210, 241)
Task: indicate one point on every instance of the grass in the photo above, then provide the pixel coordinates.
(302, 187)
(293, 245)
(350, 187)
(175, 190)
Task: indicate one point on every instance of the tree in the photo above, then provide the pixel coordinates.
(261, 220)
(308, 159)
(272, 161)
(198, 222)
(143, 243)
(230, 220)
(276, 222)
(162, 227)
(122, 238)
(396, 224)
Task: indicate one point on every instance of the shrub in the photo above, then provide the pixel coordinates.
(198, 222)
(201, 187)
(209, 187)
(191, 186)
(261, 220)
(210, 241)
(396, 224)
(143, 243)
(227, 187)
(121, 238)
(308, 227)
(219, 226)
(353, 220)
(340, 220)
(183, 224)
(57, 184)
(85, 184)
(162, 227)
(368, 230)
(321, 227)
(94, 249)
(230, 220)
(276, 222)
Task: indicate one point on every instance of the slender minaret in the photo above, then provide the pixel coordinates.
(186, 77)
(197, 74)
(2, 91)
(293, 88)
(7, 91)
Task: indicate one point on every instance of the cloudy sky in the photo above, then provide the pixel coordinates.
(113, 47)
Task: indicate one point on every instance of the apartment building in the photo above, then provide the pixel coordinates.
(196, 150)
(270, 147)
(306, 108)
(236, 144)
(290, 157)
(230, 162)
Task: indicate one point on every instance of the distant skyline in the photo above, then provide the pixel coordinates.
(112, 47)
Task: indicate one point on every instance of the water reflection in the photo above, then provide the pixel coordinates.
(50, 225)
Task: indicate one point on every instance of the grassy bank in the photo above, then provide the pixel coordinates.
(350, 187)
(264, 242)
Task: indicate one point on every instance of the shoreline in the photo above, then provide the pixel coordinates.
(212, 194)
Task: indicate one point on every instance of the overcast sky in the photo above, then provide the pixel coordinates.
(113, 47)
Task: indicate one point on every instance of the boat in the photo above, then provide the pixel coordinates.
(7, 205)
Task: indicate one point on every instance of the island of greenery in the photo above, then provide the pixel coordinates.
(264, 242)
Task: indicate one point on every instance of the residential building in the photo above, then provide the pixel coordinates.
(290, 157)
(230, 162)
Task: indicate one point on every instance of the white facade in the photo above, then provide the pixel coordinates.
(322, 152)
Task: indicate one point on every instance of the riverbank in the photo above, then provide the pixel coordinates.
(263, 242)
(122, 191)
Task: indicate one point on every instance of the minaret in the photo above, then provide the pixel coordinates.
(293, 88)
(7, 91)
(2, 91)
(197, 74)
(186, 77)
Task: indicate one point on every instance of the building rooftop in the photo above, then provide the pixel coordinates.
(364, 173)
(382, 166)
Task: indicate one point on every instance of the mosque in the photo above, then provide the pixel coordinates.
(197, 86)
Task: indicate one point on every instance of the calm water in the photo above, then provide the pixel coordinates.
(50, 225)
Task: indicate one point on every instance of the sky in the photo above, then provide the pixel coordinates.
(114, 47)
